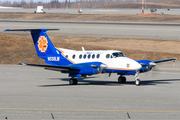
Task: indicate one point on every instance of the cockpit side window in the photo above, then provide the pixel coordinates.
(118, 54)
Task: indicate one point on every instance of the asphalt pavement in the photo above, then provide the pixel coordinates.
(92, 11)
(29, 93)
(155, 31)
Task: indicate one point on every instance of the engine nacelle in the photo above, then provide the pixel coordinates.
(147, 65)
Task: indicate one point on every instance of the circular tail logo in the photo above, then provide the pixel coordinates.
(42, 44)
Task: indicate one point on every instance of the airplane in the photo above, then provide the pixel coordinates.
(86, 63)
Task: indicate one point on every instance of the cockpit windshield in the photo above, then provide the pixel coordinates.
(118, 54)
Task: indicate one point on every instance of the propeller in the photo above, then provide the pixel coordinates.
(151, 65)
(103, 75)
(152, 70)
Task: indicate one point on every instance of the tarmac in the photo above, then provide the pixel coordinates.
(93, 11)
(29, 93)
(154, 31)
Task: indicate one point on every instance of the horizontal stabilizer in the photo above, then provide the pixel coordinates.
(29, 29)
(48, 66)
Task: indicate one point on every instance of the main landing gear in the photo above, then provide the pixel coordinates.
(73, 81)
(121, 79)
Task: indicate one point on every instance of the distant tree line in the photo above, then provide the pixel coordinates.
(68, 3)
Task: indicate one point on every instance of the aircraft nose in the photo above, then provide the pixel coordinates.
(138, 66)
(132, 64)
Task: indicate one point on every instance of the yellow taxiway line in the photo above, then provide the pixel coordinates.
(90, 110)
(166, 72)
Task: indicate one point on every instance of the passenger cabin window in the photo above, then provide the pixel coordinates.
(108, 56)
(66, 56)
(118, 54)
(80, 56)
(84, 56)
(93, 56)
(98, 55)
(73, 56)
(89, 56)
(111, 56)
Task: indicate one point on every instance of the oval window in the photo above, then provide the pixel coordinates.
(108, 55)
(84, 56)
(93, 56)
(80, 56)
(73, 56)
(89, 56)
(66, 56)
(98, 55)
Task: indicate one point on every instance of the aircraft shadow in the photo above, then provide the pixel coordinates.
(81, 81)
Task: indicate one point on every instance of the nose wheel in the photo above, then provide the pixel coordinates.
(122, 79)
(138, 82)
(73, 81)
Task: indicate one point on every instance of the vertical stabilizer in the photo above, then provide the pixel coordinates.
(42, 43)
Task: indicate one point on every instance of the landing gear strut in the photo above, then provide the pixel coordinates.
(137, 80)
(73, 81)
(121, 79)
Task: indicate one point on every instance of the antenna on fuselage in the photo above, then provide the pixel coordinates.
(83, 49)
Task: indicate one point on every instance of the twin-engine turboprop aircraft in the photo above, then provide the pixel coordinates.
(86, 63)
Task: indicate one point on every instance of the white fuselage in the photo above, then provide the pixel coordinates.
(112, 58)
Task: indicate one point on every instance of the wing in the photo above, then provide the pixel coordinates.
(74, 69)
(164, 60)
(147, 65)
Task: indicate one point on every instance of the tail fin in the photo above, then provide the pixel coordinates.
(42, 43)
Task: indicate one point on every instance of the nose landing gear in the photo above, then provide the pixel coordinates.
(137, 80)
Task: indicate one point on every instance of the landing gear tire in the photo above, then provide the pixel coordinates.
(138, 82)
(121, 79)
(73, 81)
